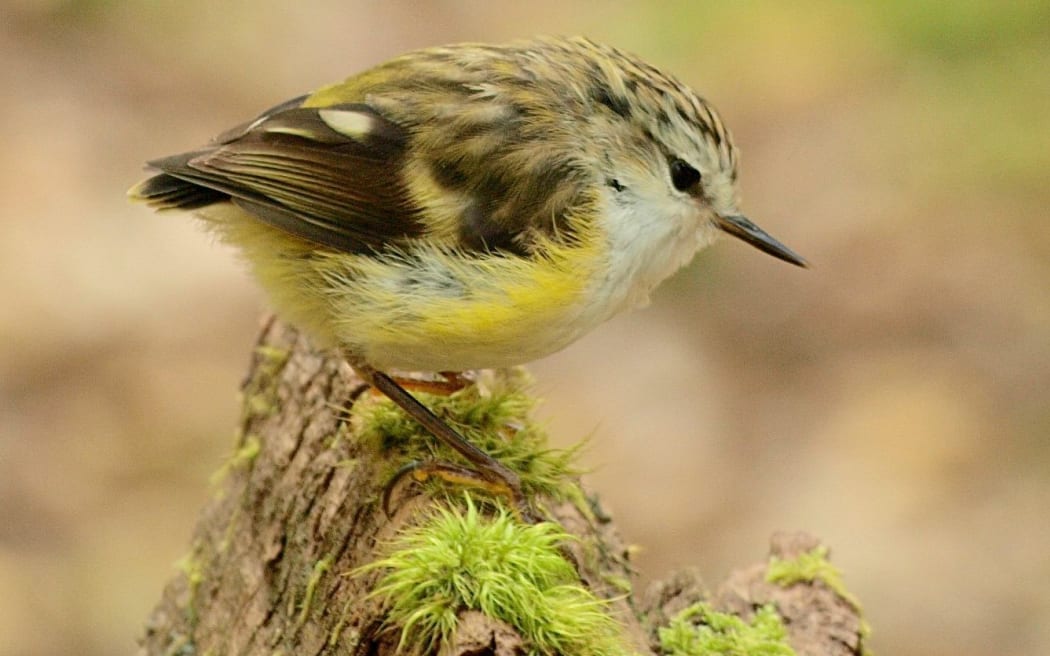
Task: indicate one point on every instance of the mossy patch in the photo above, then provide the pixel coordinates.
(813, 566)
(701, 631)
(459, 559)
(810, 566)
(493, 414)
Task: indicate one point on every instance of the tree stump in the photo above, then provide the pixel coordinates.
(288, 555)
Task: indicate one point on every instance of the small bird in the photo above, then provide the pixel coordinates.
(468, 206)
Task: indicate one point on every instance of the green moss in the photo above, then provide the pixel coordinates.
(353, 638)
(699, 631)
(191, 567)
(815, 566)
(260, 405)
(348, 463)
(272, 358)
(245, 454)
(461, 560)
(808, 567)
(621, 583)
(181, 645)
(334, 440)
(321, 567)
(493, 414)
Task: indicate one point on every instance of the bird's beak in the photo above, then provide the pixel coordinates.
(739, 226)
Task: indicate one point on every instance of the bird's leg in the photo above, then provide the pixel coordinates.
(486, 472)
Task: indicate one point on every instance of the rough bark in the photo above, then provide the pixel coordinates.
(298, 507)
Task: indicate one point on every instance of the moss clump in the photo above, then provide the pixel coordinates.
(460, 560)
(810, 566)
(493, 414)
(813, 566)
(701, 631)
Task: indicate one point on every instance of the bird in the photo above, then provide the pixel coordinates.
(468, 206)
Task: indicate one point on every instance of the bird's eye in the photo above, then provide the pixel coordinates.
(683, 176)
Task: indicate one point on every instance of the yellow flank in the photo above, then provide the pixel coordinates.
(424, 307)
(432, 308)
(438, 309)
(520, 292)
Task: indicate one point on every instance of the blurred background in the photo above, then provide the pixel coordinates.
(893, 399)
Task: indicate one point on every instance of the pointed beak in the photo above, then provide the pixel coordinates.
(740, 227)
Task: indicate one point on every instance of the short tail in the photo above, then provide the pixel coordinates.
(166, 192)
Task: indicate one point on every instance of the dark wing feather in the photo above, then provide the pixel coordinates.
(168, 193)
(336, 182)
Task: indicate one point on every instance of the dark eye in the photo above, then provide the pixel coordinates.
(683, 176)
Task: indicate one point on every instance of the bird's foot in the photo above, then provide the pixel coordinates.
(502, 483)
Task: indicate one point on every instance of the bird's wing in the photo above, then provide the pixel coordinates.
(332, 175)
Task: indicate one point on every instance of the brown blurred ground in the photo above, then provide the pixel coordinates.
(893, 399)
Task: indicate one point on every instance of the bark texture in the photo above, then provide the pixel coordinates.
(298, 507)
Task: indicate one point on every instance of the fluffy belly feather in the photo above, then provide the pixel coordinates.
(433, 310)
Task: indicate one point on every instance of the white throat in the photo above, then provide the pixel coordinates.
(647, 242)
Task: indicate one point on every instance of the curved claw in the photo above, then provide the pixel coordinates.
(388, 489)
(495, 484)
